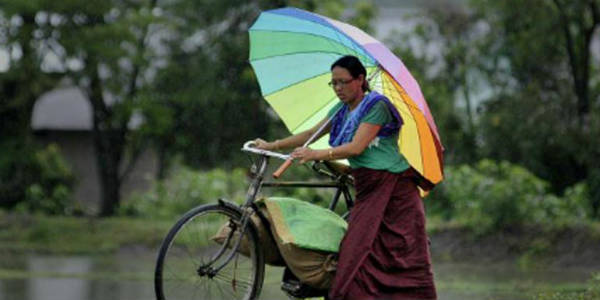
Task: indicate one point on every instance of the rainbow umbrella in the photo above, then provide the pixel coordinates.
(291, 51)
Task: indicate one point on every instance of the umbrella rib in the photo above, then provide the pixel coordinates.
(331, 41)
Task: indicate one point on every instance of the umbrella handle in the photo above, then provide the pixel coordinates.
(282, 168)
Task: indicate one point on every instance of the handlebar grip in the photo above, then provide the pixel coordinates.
(282, 168)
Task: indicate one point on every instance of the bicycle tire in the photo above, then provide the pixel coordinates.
(175, 279)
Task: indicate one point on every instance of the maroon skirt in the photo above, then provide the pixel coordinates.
(385, 252)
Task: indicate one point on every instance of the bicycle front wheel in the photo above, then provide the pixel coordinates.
(189, 250)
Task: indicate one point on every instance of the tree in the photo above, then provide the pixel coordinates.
(196, 91)
(207, 109)
(542, 56)
(101, 47)
(448, 75)
(534, 60)
(578, 23)
(20, 86)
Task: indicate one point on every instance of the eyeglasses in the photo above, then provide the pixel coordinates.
(340, 82)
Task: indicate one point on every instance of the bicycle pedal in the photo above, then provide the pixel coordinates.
(291, 287)
(299, 290)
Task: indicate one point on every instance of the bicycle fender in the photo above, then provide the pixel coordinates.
(229, 205)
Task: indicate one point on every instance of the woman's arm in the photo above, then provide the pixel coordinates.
(365, 133)
(295, 140)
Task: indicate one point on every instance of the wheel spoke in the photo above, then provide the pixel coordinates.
(189, 245)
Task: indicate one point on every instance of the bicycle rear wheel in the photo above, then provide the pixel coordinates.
(189, 249)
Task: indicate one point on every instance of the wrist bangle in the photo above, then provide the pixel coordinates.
(330, 154)
(276, 144)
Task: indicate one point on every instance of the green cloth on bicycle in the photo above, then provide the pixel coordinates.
(306, 225)
(382, 153)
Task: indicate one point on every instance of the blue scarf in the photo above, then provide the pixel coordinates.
(342, 131)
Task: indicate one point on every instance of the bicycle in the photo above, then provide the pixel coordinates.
(190, 266)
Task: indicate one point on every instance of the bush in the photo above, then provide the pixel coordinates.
(491, 196)
(185, 190)
(47, 185)
(189, 188)
(575, 202)
(17, 171)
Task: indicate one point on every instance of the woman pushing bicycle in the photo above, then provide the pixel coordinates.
(385, 252)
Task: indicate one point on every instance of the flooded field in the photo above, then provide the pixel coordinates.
(129, 276)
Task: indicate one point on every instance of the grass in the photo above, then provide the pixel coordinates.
(88, 235)
(73, 235)
(476, 287)
(108, 276)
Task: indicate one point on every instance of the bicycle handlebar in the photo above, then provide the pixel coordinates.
(248, 148)
(333, 173)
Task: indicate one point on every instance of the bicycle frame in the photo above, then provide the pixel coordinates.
(340, 181)
(258, 169)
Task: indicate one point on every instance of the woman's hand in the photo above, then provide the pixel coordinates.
(262, 144)
(305, 154)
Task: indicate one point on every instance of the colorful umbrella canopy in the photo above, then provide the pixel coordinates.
(291, 51)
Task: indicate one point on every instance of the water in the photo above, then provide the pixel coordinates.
(129, 276)
(35, 277)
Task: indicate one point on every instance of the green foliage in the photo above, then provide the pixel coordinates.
(17, 170)
(35, 180)
(538, 63)
(506, 83)
(513, 81)
(576, 201)
(100, 48)
(210, 107)
(448, 76)
(181, 64)
(188, 188)
(591, 293)
(185, 190)
(492, 196)
(75, 235)
(51, 193)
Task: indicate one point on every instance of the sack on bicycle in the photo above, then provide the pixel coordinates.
(308, 237)
(267, 243)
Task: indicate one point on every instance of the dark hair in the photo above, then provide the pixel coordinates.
(354, 66)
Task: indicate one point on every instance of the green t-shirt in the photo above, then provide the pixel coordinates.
(382, 153)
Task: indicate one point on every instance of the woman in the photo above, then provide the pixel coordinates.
(385, 253)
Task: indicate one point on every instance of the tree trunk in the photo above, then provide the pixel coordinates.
(110, 183)
(109, 144)
(110, 132)
(163, 162)
(109, 152)
(578, 37)
(593, 182)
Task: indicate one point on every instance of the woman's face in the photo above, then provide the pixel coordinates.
(347, 88)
